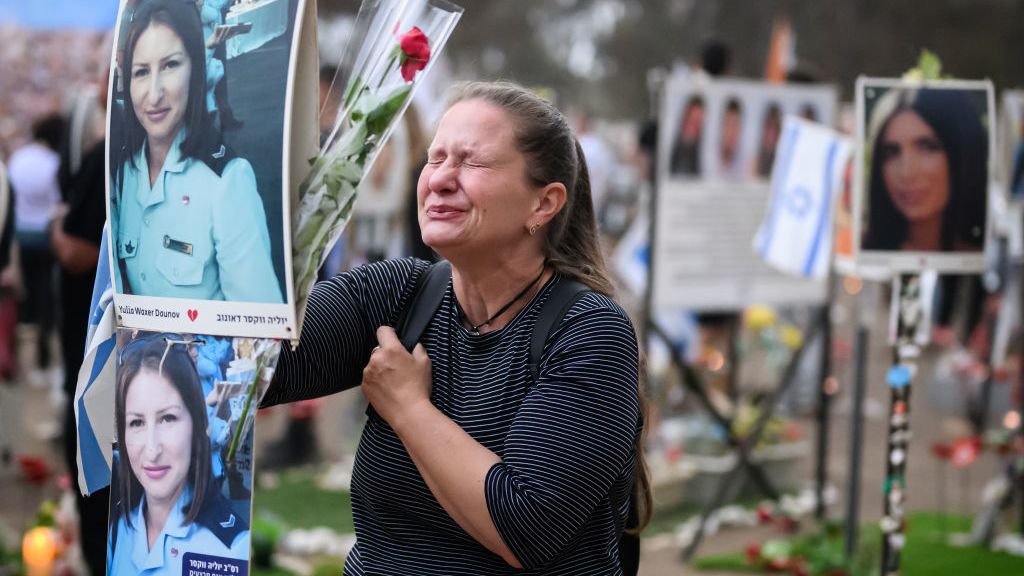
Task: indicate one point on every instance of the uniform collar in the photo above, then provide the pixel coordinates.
(145, 558)
(174, 163)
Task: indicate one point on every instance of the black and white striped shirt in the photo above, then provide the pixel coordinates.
(567, 441)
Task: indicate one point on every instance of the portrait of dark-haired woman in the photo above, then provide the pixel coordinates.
(928, 178)
(187, 220)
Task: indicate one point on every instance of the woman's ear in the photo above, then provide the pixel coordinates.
(550, 201)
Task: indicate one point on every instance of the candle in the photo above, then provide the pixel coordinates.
(38, 549)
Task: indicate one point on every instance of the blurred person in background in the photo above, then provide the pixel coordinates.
(9, 428)
(601, 162)
(716, 58)
(75, 233)
(32, 171)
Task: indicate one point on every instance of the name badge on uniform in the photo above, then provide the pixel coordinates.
(177, 245)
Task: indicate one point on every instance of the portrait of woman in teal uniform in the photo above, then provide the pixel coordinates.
(187, 219)
(165, 503)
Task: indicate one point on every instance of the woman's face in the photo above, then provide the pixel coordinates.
(731, 124)
(160, 76)
(693, 121)
(158, 436)
(915, 167)
(474, 188)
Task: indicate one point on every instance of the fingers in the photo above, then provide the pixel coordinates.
(420, 353)
(387, 338)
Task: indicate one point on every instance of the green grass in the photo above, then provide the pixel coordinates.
(297, 502)
(925, 553)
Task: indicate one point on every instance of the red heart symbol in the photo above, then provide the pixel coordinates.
(193, 314)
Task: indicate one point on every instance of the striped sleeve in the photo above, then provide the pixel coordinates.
(339, 329)
(573, 436)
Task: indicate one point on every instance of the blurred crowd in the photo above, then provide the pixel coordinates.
(51, 140)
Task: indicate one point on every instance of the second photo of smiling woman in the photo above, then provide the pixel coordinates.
(167, 505)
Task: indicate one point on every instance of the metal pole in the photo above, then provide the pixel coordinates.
(824, 402)
(859, 392)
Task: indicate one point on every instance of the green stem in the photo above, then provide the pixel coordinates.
(245, 411)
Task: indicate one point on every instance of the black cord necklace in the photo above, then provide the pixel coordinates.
(475, 330)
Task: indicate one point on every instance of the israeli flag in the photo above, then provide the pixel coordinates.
(796, 234)
(94, 394)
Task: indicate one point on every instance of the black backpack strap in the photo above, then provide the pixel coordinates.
(430, 289)
(563, 295)
(629, 543)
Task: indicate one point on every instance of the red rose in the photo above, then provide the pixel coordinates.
(753, 553)
(415, 48)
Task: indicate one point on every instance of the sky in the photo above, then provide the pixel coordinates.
(57, 14)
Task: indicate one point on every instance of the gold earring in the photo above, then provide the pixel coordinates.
(533, 229)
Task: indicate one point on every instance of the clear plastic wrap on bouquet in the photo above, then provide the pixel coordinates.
(393, 44)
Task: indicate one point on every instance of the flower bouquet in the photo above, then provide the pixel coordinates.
(393, 44)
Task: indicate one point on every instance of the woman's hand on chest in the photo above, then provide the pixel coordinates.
(395, 382)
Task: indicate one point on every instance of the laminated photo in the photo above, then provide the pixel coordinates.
(718, 142)
(924, 170)
(729, 129)
(198, 156)
(181, 482)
